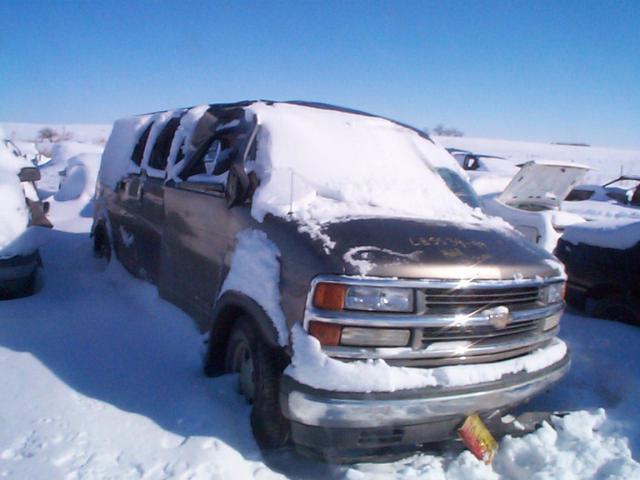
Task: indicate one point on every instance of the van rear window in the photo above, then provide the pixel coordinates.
(160, 152)
(138, 150)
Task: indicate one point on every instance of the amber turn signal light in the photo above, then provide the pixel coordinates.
(329, 296)
(328, 334)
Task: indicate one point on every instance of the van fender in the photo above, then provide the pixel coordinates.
(231, 305)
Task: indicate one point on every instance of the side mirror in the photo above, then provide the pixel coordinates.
(238, 185)
(29, 174)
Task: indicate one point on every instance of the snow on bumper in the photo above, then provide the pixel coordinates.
(330, 409)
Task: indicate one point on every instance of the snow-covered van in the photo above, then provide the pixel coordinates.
(364, 307)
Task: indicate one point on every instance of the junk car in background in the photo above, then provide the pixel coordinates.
(602, 261)
(21, 211)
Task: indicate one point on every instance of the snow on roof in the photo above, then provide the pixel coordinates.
(188, 124)
(318, 164)
(615, 233)
(116, 159)
(322, 164)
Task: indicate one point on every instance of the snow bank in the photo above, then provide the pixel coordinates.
(255, 271)
(79, 178)
(311, 366)
(574, 447)
(61, 152)
(320, 165)
(615, 233)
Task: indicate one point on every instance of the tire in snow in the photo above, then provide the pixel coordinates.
(259, 368)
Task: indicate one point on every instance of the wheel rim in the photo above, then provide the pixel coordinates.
(242, 363)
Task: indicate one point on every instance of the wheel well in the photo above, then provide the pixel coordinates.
(230, 307)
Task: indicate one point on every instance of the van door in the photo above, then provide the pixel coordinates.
(200, 229)
(126, 211)
(152, 200)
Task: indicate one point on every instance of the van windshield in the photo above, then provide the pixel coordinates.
(324, 164)
(460, 187)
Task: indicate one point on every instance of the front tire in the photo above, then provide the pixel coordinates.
(259, 368)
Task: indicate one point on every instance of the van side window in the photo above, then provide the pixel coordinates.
(160, 151)
(226, 140)
(138, 150)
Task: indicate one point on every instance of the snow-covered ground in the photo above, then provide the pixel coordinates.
(102, 379)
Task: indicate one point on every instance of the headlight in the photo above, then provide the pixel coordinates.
(337, 296)
(379, 299)
(552, 293)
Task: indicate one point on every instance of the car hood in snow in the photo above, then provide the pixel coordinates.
(542, 185)
(406, 248)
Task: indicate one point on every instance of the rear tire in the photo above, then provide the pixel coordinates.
(260, 368)
(617, 307)
(101, 244)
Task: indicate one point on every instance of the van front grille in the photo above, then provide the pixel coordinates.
(470, 300)
(461, 332)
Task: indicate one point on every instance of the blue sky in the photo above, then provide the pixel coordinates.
(537, 70)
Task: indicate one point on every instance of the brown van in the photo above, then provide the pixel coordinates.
(364, 307)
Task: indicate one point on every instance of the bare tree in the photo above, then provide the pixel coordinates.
(47, 133)
(443, 131)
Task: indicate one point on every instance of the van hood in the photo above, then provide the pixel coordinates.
(418, 249)
(542, 184)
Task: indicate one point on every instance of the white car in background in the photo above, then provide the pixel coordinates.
(532, 200)
(617, 199)
(481, 163)
(20, 212)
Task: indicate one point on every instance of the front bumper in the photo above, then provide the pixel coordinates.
(329, 421)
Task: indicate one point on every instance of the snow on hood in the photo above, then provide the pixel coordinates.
(321, 165)
(542, 183)
(615, 233)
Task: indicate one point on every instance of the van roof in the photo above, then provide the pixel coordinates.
(303, 103)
